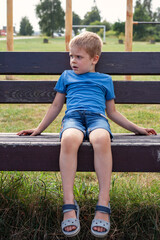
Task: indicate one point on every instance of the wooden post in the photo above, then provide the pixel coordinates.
(9, 29)
(9, 25)
(129, 29)
(68, 23)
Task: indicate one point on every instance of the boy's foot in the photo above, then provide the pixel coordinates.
(102, 216)
(101, 222)
(71, 225)
(69, 215)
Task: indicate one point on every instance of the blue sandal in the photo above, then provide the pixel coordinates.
(101, 223)
(71, 221)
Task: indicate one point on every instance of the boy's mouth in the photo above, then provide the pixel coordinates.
(74, 67)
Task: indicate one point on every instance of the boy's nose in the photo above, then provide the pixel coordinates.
(73, 59)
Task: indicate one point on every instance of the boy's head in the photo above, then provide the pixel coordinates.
(85, 50)
(88, 41)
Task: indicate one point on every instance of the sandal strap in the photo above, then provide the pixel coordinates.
(69, 207)
(103, 209)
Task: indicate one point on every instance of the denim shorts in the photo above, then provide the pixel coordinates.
(84, 121)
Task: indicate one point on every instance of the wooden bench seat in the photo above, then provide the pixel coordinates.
(41, 153)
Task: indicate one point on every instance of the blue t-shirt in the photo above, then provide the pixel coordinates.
(88, 91)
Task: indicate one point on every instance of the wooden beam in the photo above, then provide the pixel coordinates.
(68, 23)
(129, 29)
(127, 92)
(131, 153)
(9, 30)
(9, 25)
(54, 63)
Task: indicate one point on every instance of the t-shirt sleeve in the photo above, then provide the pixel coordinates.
(110, 90)
(60, 85)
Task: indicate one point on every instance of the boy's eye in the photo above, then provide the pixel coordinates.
(79, 57)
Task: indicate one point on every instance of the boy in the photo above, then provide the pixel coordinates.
(89, 94)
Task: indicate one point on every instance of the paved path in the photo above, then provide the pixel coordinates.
(21, 37)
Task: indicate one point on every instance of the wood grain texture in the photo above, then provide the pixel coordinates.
(131, 153)
(41, 153)
(115, 63)
(43, 91)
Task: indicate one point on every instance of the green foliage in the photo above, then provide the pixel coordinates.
(92, 16)
(31, 205)
(93, 29)
(156, 18)
(119, 27)
(140, 32)
(26, 28)
(51, 16)
(96, 30)
(143, 12)
(107, 24)
(76, 21)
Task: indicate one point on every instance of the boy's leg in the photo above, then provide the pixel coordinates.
(100, 140)
(70, 142)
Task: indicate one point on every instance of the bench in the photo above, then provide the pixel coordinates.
(131, 153)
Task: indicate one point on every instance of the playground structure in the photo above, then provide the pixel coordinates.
(69, 26)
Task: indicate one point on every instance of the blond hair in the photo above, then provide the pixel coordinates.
(89, 41)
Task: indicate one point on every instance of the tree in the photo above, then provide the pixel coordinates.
(141, 13)
(76, 21)
(119, 27)
(156, 18)
(92, 16)
(51, 16)
(147, 5)
(107, 24)
(157, 15)
(25, 27)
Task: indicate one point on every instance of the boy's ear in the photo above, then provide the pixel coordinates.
(95, 59)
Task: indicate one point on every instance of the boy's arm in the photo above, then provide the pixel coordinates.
(118, 118)
(51, 114)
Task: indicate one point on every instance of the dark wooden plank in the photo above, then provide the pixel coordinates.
(42, 91)
(141, 92)
(33, 63)
(27, 91)
(118, 63)
(131, 153)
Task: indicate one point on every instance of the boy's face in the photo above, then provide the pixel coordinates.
(81, 62)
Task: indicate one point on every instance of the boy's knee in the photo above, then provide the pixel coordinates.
(100, 138)
(71, 139)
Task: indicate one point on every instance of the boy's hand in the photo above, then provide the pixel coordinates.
(31, 132)
(146, 131)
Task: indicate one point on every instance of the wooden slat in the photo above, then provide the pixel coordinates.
(118, 63)
(141, 92)
(131, 153)
(42, 91)
(27, 91)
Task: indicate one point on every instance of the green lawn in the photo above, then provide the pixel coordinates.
(30, 203)
(58, 44)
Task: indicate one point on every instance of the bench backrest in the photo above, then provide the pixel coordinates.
(54, 63)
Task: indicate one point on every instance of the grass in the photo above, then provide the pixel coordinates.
(30, 202)
(31, 205)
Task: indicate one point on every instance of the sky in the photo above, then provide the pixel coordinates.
(110, 10)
